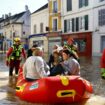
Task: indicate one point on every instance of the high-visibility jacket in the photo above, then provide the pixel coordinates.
(14, 52)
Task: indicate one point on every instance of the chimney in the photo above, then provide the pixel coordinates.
(9, 14)
(26, 7)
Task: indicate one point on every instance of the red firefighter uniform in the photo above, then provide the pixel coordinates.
(14, 56)
(72, 46)
(103, 65)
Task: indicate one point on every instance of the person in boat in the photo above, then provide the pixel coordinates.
(30, 51)
(69, 66)
(13, 56)
(56, 59)
(35, 67)
(51, 58)
(73, 47)
(102, 63)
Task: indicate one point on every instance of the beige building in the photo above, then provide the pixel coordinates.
(17, 25)
(39, 23)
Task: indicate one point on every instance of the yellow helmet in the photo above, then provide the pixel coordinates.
(16, 39)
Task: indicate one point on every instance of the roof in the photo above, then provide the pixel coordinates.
(1, 20)
(14, 17)
(17, 16)
(41, 8)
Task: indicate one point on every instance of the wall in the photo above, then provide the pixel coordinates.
(98, 30)
(37, 18)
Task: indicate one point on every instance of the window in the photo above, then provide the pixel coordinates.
(77, 24)
(80, 23)
(34, 29)
(80, 3)
(39, 43)
(65, 25)
(69, 5)
(68, 25)
(83, 3)
(86, 2)
(73, 26)
(41, 27)
(55, 6)
(14, 34)
(101, 17)
(86, 22)
(23, 32)
(81, 43)
(54, 24)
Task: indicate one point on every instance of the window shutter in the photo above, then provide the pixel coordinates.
(69, 5)
(65, 25)
(72, 25)
(86, 22)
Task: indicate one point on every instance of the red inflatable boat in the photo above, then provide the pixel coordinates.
(55, 89)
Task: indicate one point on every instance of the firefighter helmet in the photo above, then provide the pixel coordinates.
(16, 39)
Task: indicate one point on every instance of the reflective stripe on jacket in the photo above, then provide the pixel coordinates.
(16, 53)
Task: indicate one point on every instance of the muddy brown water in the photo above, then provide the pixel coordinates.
(89, 70)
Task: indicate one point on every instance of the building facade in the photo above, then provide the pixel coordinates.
(39, 25)
(1, 33)
(54, 33)
(82, 20)
(77, 23)
(17, 25)
(98, 42)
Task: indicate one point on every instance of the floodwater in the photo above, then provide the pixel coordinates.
(89, 70)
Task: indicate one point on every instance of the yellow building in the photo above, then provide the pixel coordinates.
(54, 23)
(55, 15)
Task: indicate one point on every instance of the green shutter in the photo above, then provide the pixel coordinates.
(65, 25)
(72, 25)
(77, 24)
(86, 22)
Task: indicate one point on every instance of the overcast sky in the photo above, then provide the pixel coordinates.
(17, 6)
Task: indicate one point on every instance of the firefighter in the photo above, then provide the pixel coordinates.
(14, 56)
(72, 46)
(103, 65)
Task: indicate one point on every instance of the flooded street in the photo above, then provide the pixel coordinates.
(89, 70)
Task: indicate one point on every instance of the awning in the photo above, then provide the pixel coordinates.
(37, 35)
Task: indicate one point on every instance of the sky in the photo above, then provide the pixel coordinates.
(17, 6)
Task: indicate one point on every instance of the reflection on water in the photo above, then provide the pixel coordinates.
(89, 70)
(12, 82)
